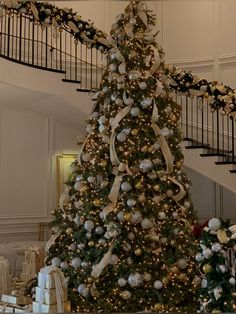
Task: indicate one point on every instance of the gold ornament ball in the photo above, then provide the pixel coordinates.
(157, 307)
(166, 206)
(215, 311)
(173, 118)
(69, 231)
(84, 188)
(127, 216)
(97, 202)
(175, 270)
(103, 163)
(138, 252)
(183, 277)
(144, 149)
(207, 268)
(91, 244)
(165, 281)
(138, 185)
(134, 131)
(90, 279)
(156, 187)
(142, 198)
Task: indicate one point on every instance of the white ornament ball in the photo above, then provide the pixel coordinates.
(232, 281)
(121, 137)
(95, 115)
(81, 246)
(79, 177)
(113, 67)
(169, 193)
(162, 216)
(135, 280)
(88, 235)
(126, 187)
(131, 236)
(156, 146)
(146, 165)
(147, 277)
(187, 204)
(214, 224)
(146, 103)
(204, 283)
(89, 225)
(78, 185)
(131, 202)
(83, 290)
(165, 132)
(135, 111)
(126, 295)
(142, 85)
(222, 268)
(76, 262)
(199, 257)
(73, 247)
(120, 216)
(64, 265)
(158, 284)
(216, 247)
(99, 230)
(122, 282)
(91, 179)
(84, 264)
(119, 101)
(207, 253)
(56, 261)
(86, 157)
(114, 259)
(105, 89)
(136, 217)
(101, 215)
(182, 263)
(146, 223)
(126, 247)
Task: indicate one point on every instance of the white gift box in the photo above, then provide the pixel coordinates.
(49, 284)
(49, 295)
(5, 277)
(13, 299)
(45, 308)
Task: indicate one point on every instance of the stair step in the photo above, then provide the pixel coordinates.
(71, 81)
(83, 90)
(226, 162)
(232, 171)
(195, 144)
(212, 155)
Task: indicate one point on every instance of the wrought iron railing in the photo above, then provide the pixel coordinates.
(24, 40)
(212, 131)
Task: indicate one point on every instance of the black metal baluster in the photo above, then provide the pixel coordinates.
(197, 112)
(13, 36)
(41, 43)
(20, 38)
(91, 68)
(24, 36)
(37, 43)
(86, 67)
(217, 132)
(81, 58)
(223, 132)
(60, 50)
(186, 117)
(70, 57)
(191, 117)
(232, 136)
(33, 39)
(8, 34)
(1, 39)
(5, 33)
(46, 48)
(51, 49)
(76, 59)
(202, 127)
(17, 37)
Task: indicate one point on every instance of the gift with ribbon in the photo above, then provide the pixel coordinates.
(34, 257)
(5, 277)
(51, 293)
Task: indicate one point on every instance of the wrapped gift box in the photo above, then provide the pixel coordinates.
(47, 279)
(50, 308)
(12, 299)
(5, 277)
(34, 259)
(49, 295)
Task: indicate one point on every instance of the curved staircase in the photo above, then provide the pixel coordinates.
(74, 66)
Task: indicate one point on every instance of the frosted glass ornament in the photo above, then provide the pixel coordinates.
(126, 187)
(121, 137)
(158, 284)
(56, 261)
(214, 224)
(99, 230)
(113, 67)
(142, 85)
(83, 290)
(207, 253)
(182, 263)
(131, 236)
(165, 132)
(64, 265)
(126, 295)
(147, 277)
(146, 103)
(146, 165)
(135, 280)
(120, 216)
(223, 268)
(135, 111)
(216, 247)
(76, 262)
(79, 177)
(204, 283)
(136, 217)
(89, 225)
(187, 204)
(162, 216)
(88, 235)
(131, 202)
(199, 257)
(232, 281)
(91, 179)
(73, 247)
(86, 157)
(156, 146)
(119, 101)
(146, 223)
(81, 246)
(122, 282)
(78, 185)
(114, 259)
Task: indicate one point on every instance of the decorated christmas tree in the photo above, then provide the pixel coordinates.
(125, 237)
(217, 260)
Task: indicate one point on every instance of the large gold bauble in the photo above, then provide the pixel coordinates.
(183, 277)
(138, 185)
(84, 188)
(127, 216)
(157, 307)
(69, 231)
(207, 268)
(138, 252)
(97, 202)
(91, 244)
(175, 270)
(134, 131)
(144, 149)
(165, 281)
(103, 163)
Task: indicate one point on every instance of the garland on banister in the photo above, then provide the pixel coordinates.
(47, 14)
(218, 95)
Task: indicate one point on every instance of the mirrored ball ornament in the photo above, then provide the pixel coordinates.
(135, 280)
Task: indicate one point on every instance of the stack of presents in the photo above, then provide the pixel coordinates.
(50, 293)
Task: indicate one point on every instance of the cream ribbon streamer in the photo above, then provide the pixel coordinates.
(64, 198)
(81, 150)
(34, 11)
(231, 260)
(96, 272)
(51, 241)
(113, 156)
(156, 62)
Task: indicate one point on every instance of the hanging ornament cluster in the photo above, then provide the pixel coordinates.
(217, 259)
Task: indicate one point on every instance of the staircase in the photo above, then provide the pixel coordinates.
(209, 136)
